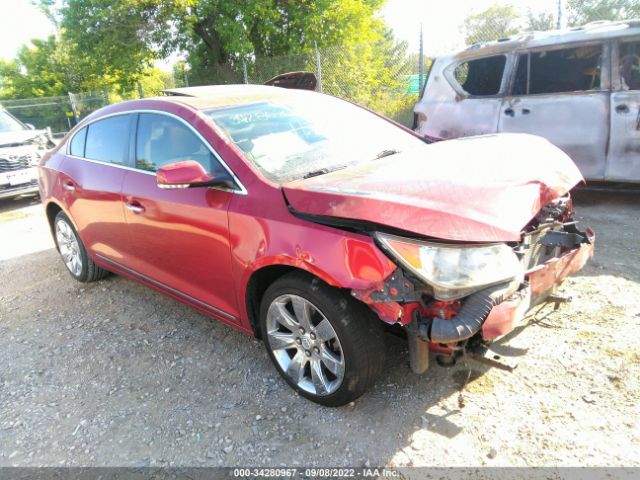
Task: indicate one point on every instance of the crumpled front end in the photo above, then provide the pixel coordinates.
(551, 248)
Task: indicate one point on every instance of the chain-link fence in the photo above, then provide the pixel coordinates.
(388, 84)
(58, 113)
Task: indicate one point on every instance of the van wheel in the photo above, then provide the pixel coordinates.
(327, 346)
(73, 253)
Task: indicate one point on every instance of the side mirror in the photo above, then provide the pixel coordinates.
(189, 173)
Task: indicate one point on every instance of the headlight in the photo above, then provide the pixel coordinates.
(454, 271)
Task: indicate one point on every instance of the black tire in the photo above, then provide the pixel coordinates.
(89, 271)
(359, 333)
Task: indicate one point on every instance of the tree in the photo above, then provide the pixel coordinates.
(48, 68)
(585, 11)
(43, 68)
(540, 22)
(492, 24)
(126, 36)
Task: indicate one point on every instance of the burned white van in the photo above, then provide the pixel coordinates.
(578, 88)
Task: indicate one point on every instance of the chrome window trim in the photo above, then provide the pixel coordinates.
(117, 165)
(241, 190)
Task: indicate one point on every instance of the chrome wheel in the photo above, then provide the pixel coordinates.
(69, 247)
(305, 345)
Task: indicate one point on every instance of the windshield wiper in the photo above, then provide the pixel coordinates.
(323, 171)
(386, 153)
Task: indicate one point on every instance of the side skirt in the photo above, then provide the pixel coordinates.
(172, 292)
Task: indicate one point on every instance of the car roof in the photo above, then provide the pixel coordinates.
(219, 96)
(600, 30)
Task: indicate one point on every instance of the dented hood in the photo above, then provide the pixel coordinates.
(480, 189)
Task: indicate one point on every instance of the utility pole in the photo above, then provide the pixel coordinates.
(244, 71)
(318, 67)
(184, 75)
(74, 107)
(420, 61)
(559, 23)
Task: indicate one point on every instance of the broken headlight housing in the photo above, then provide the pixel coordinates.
(454, 271)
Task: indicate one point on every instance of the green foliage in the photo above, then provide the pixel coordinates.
(49, 68)
(123, 38)
(585, 11)
(492, 24)
(540, 22)
(42, 69)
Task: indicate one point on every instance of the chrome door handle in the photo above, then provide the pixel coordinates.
(135, 207)
(69, 187)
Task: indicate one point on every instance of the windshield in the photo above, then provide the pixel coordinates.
(9, 124)
(309, 135)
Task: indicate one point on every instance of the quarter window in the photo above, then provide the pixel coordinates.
(630, 65)
(163, 140)
(558, 71)
(76, 148)
(481, 77)
(108, 140)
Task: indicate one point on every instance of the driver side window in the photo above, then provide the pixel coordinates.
(629, 65)
(162, 140)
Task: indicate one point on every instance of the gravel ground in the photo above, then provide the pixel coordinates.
(113, 373)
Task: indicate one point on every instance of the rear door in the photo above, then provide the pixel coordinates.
(463, 99)
(623, 161)
(562, 94)
(92, 177)
(180, 236)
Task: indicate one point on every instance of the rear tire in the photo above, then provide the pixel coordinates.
(73, 253)
(326, 345)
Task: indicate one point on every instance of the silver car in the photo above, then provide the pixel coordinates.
(21, 148)
(578, 88)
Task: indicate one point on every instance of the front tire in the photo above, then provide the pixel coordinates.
(73, 253)
(327, 346)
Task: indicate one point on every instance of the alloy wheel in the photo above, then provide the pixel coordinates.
(305, 345)
(69, 247)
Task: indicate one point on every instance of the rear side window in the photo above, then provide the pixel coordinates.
(108, 140)
(163, 140)
(76, 147)
(558, 71)
(481, 77)
(629, 66)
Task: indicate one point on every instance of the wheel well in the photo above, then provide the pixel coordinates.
(52, 211)
(258, 284)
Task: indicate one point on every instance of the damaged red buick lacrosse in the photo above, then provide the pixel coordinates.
(314, 224)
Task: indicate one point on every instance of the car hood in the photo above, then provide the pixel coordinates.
(11, 139)
(478, 189)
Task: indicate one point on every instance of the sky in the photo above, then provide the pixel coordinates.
(20, 21)
(441, 21)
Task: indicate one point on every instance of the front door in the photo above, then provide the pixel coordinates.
(562, 94)
(464, 99)
(180, 236)
(623, 162)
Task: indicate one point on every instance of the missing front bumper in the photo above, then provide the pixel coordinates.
(541, 281)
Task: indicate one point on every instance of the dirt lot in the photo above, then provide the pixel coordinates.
(113, 373)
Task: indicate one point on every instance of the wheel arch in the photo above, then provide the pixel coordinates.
(52, 209)
(263, 277)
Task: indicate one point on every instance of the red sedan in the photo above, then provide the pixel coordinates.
(312, 223)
